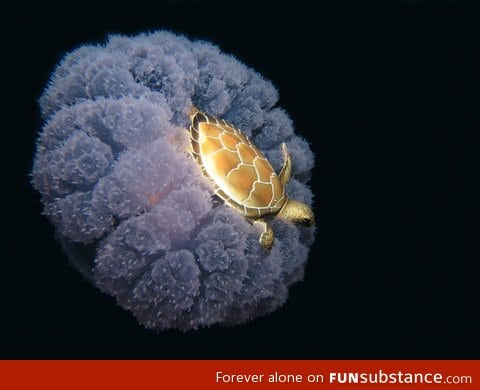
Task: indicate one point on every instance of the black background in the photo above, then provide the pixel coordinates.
(387, 94)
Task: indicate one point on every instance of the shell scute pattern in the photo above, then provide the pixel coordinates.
(243, 177)
(230, 141)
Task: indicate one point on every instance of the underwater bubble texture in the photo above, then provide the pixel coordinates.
(112, 168)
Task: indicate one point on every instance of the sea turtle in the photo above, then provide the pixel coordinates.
(242, 176)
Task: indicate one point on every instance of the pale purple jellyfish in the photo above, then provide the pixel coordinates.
(131, 207)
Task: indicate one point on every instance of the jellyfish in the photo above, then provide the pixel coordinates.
(129, 204)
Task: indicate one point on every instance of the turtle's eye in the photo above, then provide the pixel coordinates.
(310, 221)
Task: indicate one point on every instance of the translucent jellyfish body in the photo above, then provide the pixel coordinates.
(131, 207)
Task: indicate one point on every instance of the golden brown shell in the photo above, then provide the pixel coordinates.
(242, 175)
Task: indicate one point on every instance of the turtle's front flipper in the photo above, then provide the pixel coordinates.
(286, 171)
(266, 237)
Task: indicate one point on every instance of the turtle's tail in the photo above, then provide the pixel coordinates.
(193, 111)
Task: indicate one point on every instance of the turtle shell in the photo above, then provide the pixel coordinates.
(242, 175)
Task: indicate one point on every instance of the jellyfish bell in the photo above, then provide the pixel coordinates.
(131, 208)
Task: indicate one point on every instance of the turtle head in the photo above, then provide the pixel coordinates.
(297, 212)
